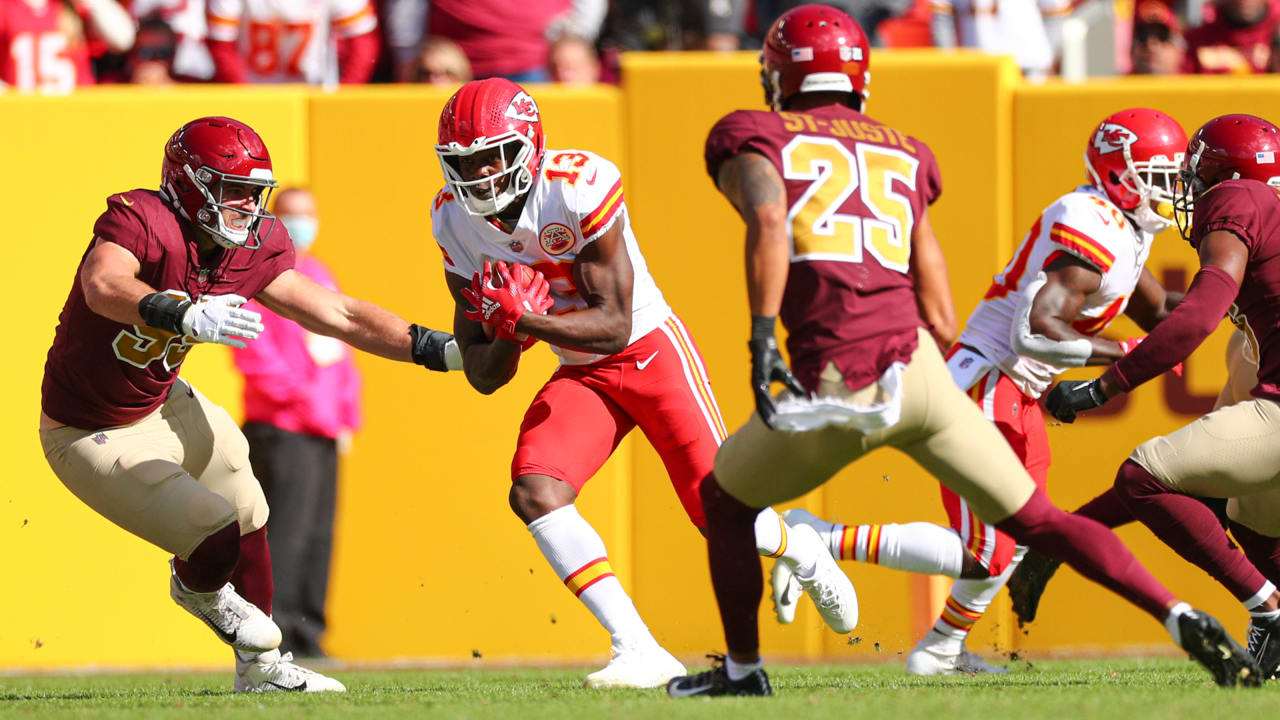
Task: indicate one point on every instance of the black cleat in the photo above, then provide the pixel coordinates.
(1027, 584)
(716, 682)
(1208, 643)
(1264, 646)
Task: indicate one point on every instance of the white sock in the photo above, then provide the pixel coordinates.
(917, 547)
(1260, 597)
(1171, 621)
(967, 603)
(774, 539)
(578, 557)
(737, 670)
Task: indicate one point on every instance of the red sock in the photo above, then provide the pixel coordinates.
(1091, 549)
(209, 566)
(1108, 509)
(1189, 527)
(1262, 551)
(735, 566)
(252, 577)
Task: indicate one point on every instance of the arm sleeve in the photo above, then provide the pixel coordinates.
(1194, 319)
(1229, 206)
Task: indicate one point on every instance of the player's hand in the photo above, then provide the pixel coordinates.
(502, 307)
(220, 319)
(1128, 345)
(1074, 396)
(768, 367)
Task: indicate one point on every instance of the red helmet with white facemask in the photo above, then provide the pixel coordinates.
(1133, 156)
(201, 160)
(814, 48)
(483, 115)
(1228, 147)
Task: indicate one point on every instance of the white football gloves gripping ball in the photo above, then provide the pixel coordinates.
(220, 319)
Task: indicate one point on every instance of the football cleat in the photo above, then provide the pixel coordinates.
(273, 672)
(786, 591)
(715, 682)
(974, 664)
(236, 621)
(799, 516)
(1264, 645)
(830, 589)
(646, 667)
(1209, 644)
(1027, 584)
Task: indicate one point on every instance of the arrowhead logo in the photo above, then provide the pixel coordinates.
(1112, 137)
(523, 107)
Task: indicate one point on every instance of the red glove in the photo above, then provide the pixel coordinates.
(1128, 345)
(502, 307)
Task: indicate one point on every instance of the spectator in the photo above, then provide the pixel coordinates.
(573, 61)
(191, 61)
(503, 38)
(867, 13)
(1158, 46)
(1237, 40)
(44, 45)
(301, 400)
(1029, 30)
(150, 62)
(441, 62)
(323, 42)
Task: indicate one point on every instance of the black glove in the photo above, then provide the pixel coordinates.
(767, 368)
(1072, 396)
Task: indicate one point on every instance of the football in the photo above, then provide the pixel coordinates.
(524, 273)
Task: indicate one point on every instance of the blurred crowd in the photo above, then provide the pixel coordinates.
(54, 45)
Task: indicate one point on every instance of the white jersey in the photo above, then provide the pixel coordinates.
(290, 40)
(1083, 223)
(575, 198)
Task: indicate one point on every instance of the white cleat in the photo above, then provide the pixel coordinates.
(799, 516)
(273, 672)
(236, 621)
(830, 589)
(927, 660)
(786, 591)
(973, 663)
(647, 667)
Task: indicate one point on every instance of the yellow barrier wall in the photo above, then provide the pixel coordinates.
(429, 561)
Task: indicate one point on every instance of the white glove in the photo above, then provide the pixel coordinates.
(219, 319)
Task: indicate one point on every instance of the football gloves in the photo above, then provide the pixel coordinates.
(1074, 396)
(502, 307)
(220, 319)
(767, 368)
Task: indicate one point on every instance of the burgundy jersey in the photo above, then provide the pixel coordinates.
(1251, 211)
(101, 373)
(36, 53)
(854, 188)
(1220, 47)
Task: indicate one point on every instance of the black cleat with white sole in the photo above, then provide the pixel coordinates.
(1264, 646)
(1027, 584)
(716, 682)
(1209, 644)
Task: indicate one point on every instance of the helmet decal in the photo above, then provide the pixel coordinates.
(1112, 137)
(523, 107)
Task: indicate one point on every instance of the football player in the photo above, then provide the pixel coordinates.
(1080, 266)
(840, 244)
(165, 271)
(626, 359)
(1228, 207)
(317, 42)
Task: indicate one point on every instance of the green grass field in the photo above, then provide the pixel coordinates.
(1121, 688)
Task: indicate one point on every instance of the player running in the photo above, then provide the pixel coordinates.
(839, 242)
(626, 359)
(1080, 266)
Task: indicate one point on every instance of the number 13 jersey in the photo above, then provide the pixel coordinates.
(855, 189)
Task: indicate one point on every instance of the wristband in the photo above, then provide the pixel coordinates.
(429, 347)
(164, 312)
(762, 326)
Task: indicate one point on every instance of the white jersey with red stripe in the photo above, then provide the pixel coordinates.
(287, 41)
(575, 198)
(1083, 223)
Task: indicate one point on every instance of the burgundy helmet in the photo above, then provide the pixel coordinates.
(485, 114)
(1229, 147)
(200, 159)
(1133, 156)
(814, 48)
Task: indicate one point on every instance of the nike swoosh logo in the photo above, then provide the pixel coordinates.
(676, 691)
(592, 181)
(125, 200)
(642, 364)
(296, 688)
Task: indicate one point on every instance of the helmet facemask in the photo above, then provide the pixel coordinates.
(488, 195)
(1152, 180)
(210, 216)
(1189, 186)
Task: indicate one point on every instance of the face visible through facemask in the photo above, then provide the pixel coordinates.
(302, 230)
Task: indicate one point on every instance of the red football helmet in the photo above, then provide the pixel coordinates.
(204, 156)
(1133, 156)
(1229, 147)
(814, 48)
(485, 114)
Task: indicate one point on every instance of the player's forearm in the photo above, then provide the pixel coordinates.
(115, 297)
(768, 261)
(598, 329)
(365, 326)
(489, 366)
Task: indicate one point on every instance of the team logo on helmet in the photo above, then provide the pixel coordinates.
(523, 107)
(1112, 137)
(556, 239)
(850, 54)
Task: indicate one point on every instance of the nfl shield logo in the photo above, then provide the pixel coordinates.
(100, 438)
